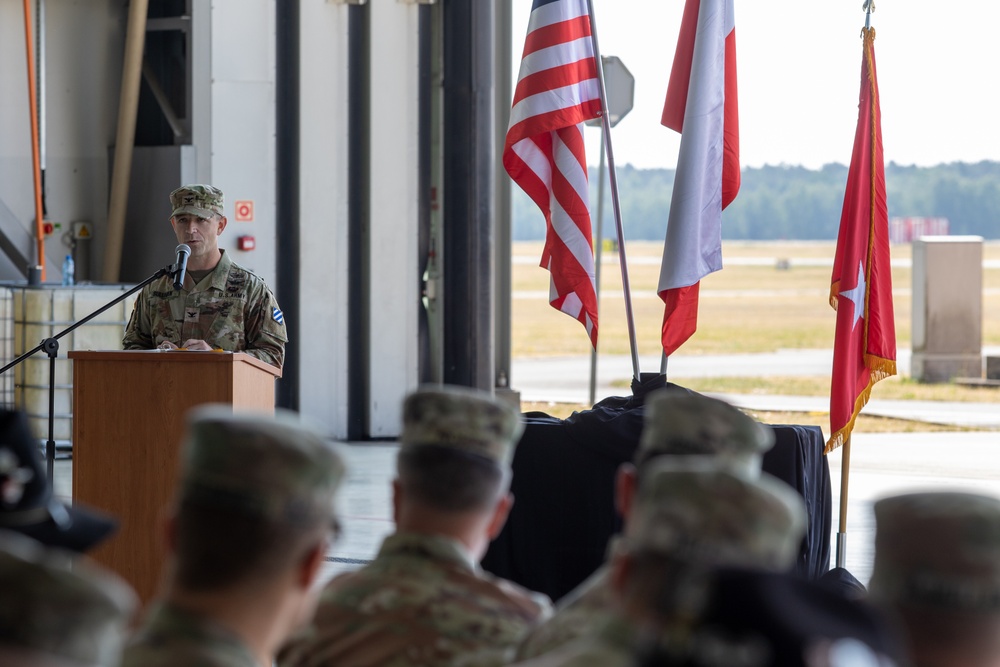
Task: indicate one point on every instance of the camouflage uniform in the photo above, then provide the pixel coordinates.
(423, 600)
(57, 606)
(171, 637)
(231, 308)
(677, 424)
(611, 642)
(693, 513)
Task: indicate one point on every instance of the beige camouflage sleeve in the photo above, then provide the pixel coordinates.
(265, 328)
(137, 334)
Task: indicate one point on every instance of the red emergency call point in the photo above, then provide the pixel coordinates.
(48, 228)
(246, 242)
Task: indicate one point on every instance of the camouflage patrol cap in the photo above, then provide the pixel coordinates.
(461, 418)
(689, 423)
(690, 508)
(939, 550)
(60, 606)
(203, 201)
(271, 466)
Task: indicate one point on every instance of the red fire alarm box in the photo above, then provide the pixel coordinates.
(246, 242)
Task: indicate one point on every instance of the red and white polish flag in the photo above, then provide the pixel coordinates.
(701, 104)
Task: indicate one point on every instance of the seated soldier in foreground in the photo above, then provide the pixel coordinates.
(253, 519)
(937, 569)
(424, 600)
(688, 517)
(57, 609)
(675, 423)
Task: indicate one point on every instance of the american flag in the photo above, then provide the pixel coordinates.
(557, 90)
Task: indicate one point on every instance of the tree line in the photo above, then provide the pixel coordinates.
(788, 202)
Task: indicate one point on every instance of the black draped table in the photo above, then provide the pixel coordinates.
(563, 485)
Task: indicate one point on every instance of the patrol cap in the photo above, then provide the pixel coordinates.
(58, 606)
(461, 418)
(690, 423)
(271, 466)
(203, 201)
(690, 508)
(939, 550)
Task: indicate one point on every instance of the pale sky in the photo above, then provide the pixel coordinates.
(799, 68)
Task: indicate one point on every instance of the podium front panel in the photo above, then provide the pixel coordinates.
(129, 415)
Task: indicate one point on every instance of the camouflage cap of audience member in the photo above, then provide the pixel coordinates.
(694, 424)
(461, 418)
(275, 467)
(59, 606)
(938, 550)
(689, 508)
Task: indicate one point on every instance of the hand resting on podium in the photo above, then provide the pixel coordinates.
(190, 345)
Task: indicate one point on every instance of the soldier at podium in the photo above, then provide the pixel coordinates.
(221, 305)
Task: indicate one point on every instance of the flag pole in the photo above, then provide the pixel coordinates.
(845, 463)
(598, 250)
(845, 473)
(616, 205)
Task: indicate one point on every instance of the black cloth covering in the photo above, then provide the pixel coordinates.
(563, 485)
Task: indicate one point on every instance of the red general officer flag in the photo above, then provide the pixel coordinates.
(557, 90)
(701, 104)
(864, 350)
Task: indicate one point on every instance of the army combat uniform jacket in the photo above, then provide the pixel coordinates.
(171, 637)
(613, 642)
(580, 614)
(422, 601)
(231, 308)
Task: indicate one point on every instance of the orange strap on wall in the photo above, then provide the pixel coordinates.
(36, 162)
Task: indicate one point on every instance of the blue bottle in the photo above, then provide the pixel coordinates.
(68, 269)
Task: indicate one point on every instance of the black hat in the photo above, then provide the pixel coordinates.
(27, 503)
(778, 620)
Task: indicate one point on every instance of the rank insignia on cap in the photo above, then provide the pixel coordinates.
(277, 316)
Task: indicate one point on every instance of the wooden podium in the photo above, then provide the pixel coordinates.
(128, 420)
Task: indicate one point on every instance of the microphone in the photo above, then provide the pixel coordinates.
(180, 266)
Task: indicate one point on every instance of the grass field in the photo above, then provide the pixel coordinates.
(744, 308)
(864, 424)
(751, 306)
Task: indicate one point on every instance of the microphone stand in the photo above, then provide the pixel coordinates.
(51, 347)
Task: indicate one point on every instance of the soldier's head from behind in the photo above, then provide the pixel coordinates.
(255, 499)
(691, 516)
(690, 424)
(681, 423)
(937, 567)
(454, 459)
(57, 609)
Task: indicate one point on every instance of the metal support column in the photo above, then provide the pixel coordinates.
(469, 173)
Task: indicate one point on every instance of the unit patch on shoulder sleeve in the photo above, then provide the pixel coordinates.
(277, 316)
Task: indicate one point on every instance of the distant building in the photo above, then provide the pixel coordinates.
(905, 230)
